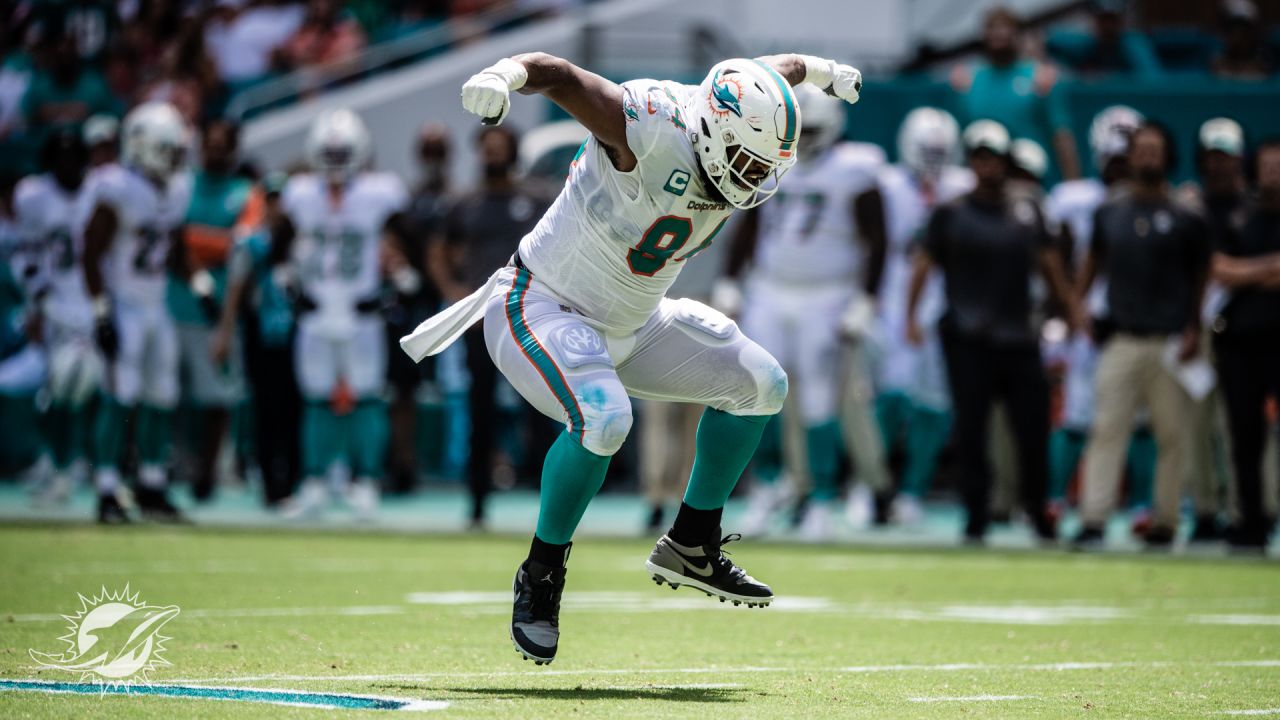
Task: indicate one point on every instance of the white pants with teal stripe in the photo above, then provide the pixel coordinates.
(574, 370)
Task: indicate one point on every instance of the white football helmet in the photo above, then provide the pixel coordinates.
(155, 140)
(928, 140)
(338, 145)
(1109, 133)
(824, 120)
(744, 123)
(1030, 156)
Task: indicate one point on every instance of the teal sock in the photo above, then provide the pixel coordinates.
(368, 432)
(724, 446)
(892, 410)
(927, 433)
(155, 433)
(1065, 448)
(823, 444)
(1142, 467)
(571, 476)
(767, 463)
(108, 435)
(320, 439)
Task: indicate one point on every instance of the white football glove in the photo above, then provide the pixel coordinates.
(487, 93)
(833, 78)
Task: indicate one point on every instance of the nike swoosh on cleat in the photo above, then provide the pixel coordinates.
(699, 571)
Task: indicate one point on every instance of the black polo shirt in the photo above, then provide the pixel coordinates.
(489, 225)
(1252, 309)
(1153, 255)
(988, 254)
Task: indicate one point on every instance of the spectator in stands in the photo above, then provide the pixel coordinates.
(187, 78)
(1019, 93)
(64, 91)
(988, 244)
(327, 36)
(258, 296)
(483, 229)
(1244, 56)
(1247, 341)
(94, 25)
(16, 70)
(426, 216)
(1155, 255)
(242, 40)
(219, 198)
(1109, 48)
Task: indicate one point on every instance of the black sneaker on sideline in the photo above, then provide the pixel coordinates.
(707, 569)
(535, 616)
(1088, 539)
(111, 512)
(155, 505)
(1159, 538)
(1207, 530)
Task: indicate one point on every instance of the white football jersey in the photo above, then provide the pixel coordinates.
(807, 233)
(44, 211)
(1071, 204)
(134, 266)
(907, 208)
(337, 243)
(613, 242)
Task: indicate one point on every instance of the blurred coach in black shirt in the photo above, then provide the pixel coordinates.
(1155, 256)
(1247, 340)
(988, 244)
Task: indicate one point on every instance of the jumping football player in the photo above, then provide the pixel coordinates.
(813, 262)
(579, 321)
(344, 217)
(128, 214)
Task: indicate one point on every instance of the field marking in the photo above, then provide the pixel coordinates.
(271, 696)
(353, 610)
(635, 602)
(1234, 619)
(971, 698)
(856, 669)
(1261, 711)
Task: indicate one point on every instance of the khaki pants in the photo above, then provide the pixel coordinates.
(667, 432)
(1131, 373)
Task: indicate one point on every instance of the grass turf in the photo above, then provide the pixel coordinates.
(857, 632)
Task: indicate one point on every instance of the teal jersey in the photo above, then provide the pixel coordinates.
(1008, 96)
(273, 310)
(216, 204)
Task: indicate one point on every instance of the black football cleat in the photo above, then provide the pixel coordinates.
(535, 617)
(154, 505)
(110, 511)
(707, 569)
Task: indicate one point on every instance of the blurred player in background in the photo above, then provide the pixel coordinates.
(219, 197)
(913, 403)
(579, 321)
(812, 263)
(44, 208)
(127, 214)
(1069, 210)
(345, 217)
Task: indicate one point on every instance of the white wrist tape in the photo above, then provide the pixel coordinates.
(818, 72)
(101, 307)
(511, 72)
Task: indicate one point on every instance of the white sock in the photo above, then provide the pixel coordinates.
(106, 480)
(152, 477)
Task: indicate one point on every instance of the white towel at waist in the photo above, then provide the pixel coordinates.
(440, 331)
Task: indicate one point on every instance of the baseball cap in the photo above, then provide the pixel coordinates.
(1224, 135)
(986, 135)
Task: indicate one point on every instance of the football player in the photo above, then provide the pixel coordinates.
(578, 322)
(127, 214)
(345, 217)
(913, 401)
(813, 262)
(44, 206)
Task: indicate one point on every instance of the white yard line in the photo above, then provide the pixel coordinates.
(1261, 711)
(353, 610)
(971, 698)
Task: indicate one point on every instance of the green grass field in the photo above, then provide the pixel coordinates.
(855, 633)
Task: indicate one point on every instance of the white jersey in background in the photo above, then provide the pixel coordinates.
(1071, 204)
(337, 244)
(44, 211)
(807, 232)
(907, 208)
(133, 268)
(613, 242)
